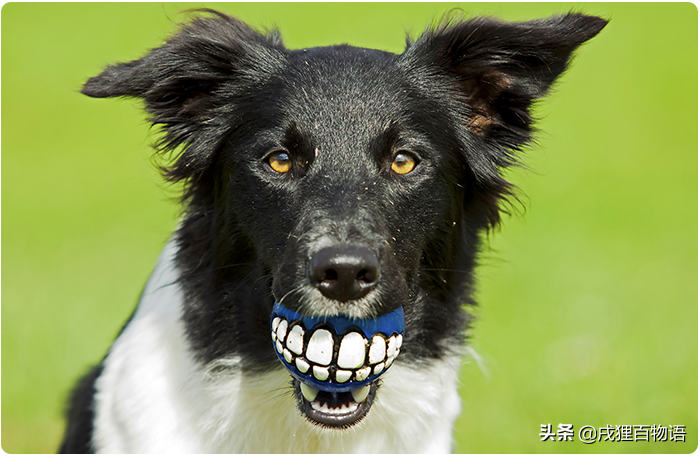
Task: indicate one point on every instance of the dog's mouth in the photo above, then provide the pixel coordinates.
(336, 361)
(335, 409)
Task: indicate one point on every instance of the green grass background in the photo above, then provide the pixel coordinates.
(588, 303)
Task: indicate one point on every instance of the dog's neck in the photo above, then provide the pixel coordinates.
(155, 397)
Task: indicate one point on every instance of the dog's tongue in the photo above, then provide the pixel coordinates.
(338, 353)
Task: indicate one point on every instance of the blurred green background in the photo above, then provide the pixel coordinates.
(588, 303)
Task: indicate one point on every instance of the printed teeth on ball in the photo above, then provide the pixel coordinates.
(336, 353)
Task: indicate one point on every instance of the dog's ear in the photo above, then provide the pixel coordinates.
(494, 71)
(192, 81)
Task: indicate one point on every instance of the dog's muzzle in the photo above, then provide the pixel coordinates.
(336, 354)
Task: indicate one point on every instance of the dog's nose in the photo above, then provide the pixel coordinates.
(344, 272)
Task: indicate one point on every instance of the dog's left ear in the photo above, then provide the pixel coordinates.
(191, 84)
(492, 71)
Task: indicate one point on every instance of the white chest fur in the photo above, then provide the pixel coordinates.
(153, 397)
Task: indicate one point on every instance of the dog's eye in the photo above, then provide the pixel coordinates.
(403, 163)
(280, 162)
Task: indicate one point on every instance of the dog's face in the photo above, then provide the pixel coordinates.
(339, 183)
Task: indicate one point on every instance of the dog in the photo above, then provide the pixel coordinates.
(312, 298)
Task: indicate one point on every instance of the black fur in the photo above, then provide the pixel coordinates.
(81, 415)
(458, 99)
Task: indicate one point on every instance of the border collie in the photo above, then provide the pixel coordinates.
(312, 297)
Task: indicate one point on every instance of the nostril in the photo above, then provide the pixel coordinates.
(366, 276)
(362, 276)
(330, 277)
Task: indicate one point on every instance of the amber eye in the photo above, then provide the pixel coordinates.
(403, 163)
(280, 162)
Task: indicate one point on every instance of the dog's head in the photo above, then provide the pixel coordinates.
(345, 186)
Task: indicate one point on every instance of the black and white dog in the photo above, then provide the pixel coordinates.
(311, 299)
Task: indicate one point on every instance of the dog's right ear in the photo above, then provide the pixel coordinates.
(190, 84)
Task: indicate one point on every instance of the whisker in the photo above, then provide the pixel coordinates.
(242, 281)
(447, 270)
(279, 393)
(296, 289)
(231, 266)
(262, 277)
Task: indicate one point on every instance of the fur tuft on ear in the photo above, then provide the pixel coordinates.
(191, 83)
(493, 71)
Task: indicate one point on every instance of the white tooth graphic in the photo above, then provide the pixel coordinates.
(278, 346)
(302, 365)
(274, 336)
(309, 392)
(399, 341)
(352, 351)
(391, 350)
(378, 368)
(377, 350)
(287, 355)
(295, 339)
(342, 376)
(360, 394)
(282, 329)
(320, 348)
(275, 323)
(363, 373)
(389, 361)
(321, 373)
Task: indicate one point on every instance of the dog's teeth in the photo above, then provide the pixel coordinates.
(309, 392)
(295, 340)
(352, 351)
(320, 348)
(324, 408)
(399, 341)
(377, 350)
(321, 373)
(378, 368)
(391, 349)
(360, 394)
(275, 323)
(363, 373)
(282, 329)
(302, 365)
(287, 355)
(342, 376)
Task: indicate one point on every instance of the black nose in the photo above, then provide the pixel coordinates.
(344, 272)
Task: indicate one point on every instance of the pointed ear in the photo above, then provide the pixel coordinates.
(190, 83)
(499, 68)
(494, 71)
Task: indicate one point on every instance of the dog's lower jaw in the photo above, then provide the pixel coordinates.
(154, 397)
(334, 410)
